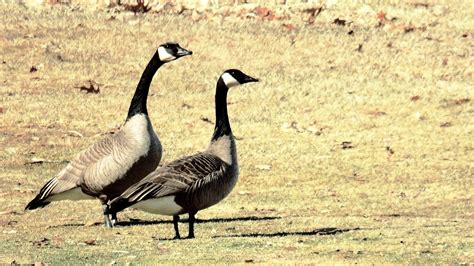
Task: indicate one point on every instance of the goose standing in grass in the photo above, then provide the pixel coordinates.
(195, 182)
(110, 166)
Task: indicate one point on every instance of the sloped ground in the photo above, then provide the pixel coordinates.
(356, 146)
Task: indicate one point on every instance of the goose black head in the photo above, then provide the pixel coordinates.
(170, 51)
(235, 77)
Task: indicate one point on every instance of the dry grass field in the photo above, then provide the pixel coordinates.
(355, 147)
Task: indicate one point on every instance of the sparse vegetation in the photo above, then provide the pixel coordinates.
(355, 147)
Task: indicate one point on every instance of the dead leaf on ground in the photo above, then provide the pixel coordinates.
(389, 149)
(381, 16)
(205, 119)
(186, 106)
(264, 12)
(41, 243)
(139, 7)
(460, 101)
(289, 27)
(2, 110)
(93, 87)
(313, 13)
(390, 153)
(446, 124)
(340, 22)
(415, 98)
(90, 242)
(408, 28)
(347, 145)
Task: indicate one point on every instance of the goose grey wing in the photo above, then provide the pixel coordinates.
(74, 171)
(70, 176)
(178, 176)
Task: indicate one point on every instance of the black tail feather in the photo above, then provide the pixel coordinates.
(40, 200)
(37, 202)
(117, 205)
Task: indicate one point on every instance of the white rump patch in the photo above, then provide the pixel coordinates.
(72, 194)
(229, 80)
(164, 206)
(164, 55)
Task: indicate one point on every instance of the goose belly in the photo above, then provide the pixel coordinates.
(72, 194)
(164, 206)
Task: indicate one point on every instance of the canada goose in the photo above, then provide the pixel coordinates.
(194, 182)
(108, 167)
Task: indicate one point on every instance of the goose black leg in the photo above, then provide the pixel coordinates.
(114, 219)
(176, 228)
(107, 222)
(191, 219)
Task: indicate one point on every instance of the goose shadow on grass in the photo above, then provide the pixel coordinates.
(319, 231)
(134, 222)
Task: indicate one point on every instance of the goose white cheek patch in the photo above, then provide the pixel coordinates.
(164, 55)
(229, 80)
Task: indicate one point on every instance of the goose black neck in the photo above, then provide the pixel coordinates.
(222, 127)
(138, 104)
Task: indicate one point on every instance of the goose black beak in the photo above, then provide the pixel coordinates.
(250, 79)
(183, 52)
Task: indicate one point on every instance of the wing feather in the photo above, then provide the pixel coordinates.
(178, 176)
(71, 175)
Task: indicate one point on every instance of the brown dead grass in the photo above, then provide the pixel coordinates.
(402, 185)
